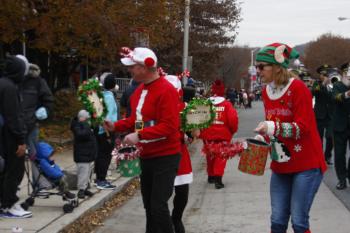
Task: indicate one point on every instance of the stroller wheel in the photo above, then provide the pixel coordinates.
(68, 208)
(30, 201)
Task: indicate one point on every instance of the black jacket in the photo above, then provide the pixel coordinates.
(85, 145)
(14, 130)
(34, 94)
(324, 106)
(125, 99)
(341, 116)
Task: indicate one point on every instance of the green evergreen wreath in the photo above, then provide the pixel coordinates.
(86, 89)
(191, 107)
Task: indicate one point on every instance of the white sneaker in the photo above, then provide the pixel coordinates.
(16, 211)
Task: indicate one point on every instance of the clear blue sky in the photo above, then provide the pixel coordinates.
(291, 21)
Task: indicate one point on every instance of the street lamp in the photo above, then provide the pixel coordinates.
(186, 38)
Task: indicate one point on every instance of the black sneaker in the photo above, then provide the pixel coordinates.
(341, 185)
(68, 195)
(81, 194)
(211, 179)
(218, 182)
(88, 193)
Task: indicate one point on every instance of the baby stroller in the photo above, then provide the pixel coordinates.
(46, 179)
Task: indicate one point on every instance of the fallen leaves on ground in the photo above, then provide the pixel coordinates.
(93, 219)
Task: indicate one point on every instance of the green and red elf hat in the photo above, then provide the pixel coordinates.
(277, 53)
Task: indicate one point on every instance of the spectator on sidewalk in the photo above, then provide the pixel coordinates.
(37, 103)
(105, 140)
(154, 123)
(341, 126)
(297, 158)
(13, 135)
(125, 100)
(84, 151)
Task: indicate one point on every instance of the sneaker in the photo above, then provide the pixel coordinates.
(81, 194)
(68, 195)
(88, 193)
(105, 185)
(16, 211)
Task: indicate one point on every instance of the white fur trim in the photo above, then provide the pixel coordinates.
(217, 99)
(270, 127)
(279, 94)
(183, 179)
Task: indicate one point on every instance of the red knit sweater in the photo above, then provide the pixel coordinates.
(160, 106)
(225, 123)
(291, 116)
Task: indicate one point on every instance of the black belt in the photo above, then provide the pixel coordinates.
(140, 125)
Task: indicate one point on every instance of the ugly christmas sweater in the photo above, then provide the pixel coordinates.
(291, 120)
(153, 103)
(225, 123)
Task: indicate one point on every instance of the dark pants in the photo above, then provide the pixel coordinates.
(157, 184)
(341, 140)
(104, 156)
(180, 201)
(325, 130)
(13, 174)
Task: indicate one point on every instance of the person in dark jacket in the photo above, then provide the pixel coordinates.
(324, 109)
(85, 151)
(2, 161)
(37, 102)
(341, 126)
(125, 100)
(13, 135)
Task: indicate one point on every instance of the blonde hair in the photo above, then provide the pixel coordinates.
(280, 75)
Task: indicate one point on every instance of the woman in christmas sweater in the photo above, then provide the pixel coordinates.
(184, 173)
(221, 130)
(297, 157)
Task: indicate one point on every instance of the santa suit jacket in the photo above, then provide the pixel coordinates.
(225, 123)
(153, 103)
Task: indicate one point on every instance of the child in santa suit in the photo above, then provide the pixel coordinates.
(222, 129)
(184, 174)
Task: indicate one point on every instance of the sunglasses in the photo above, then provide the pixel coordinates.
(261, 66)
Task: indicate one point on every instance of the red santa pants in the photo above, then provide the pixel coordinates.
(215, 166)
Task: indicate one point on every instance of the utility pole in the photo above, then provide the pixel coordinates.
(186, 38)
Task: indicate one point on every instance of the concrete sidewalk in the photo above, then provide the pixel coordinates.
(48, 216)
(243, 206)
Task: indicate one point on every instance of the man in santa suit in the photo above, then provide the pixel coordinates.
(154, 126)
(221, 130)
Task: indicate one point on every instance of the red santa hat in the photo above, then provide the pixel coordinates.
(218, 88)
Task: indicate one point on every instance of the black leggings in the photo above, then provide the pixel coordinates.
(180, 201)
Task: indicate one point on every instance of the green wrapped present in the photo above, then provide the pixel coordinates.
(130, 168)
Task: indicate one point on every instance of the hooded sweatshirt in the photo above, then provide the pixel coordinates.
(10, 108)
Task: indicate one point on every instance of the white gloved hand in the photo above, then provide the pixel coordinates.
(259, 137)
(41, 113)
(131, 139)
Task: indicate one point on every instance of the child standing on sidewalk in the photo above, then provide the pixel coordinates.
(85, 151)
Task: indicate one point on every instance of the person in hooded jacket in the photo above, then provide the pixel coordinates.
(85, 151)
(13, 134)
(37, 101)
